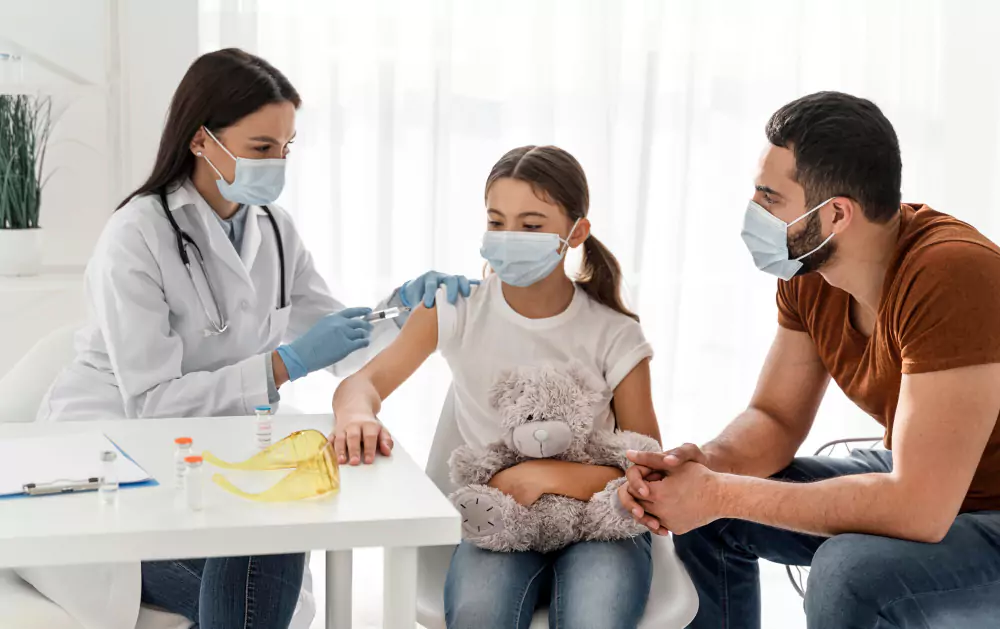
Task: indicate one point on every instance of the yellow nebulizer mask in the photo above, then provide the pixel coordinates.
(307, 453)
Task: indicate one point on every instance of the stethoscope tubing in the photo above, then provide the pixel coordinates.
(183, 239)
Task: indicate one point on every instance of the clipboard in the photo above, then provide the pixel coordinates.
(61, 464)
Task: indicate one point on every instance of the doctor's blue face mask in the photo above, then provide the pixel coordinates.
(256, 181)
(766, 237)
(523, 258)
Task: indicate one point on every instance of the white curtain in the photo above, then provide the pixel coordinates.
(408, 103)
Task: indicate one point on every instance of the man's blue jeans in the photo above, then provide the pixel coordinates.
(855, 581)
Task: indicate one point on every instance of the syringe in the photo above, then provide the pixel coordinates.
(385, 315)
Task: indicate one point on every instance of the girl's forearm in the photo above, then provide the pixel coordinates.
(356, 397)
(577, 480)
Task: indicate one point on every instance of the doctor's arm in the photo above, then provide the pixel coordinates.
(358, 399)
(311, 300)
(125, 288)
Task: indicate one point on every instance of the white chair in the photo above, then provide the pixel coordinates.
(673, 601)
(799, 575)
(22, 390)
(23, 387)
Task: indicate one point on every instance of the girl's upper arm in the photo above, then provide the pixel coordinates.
(633, 402)
(415, 343)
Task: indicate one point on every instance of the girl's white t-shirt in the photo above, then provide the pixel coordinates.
(482, 337)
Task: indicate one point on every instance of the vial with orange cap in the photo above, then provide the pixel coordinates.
(182, 450)
(194, 483)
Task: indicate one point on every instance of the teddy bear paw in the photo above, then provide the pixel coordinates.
(480, 515)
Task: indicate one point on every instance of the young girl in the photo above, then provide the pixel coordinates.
(527, 312)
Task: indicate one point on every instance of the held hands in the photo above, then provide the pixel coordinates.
(674, 491)
(332, 339)
(359, 439)
(424, 289)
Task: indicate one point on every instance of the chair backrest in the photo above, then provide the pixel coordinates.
(24, 386)
(446, 440)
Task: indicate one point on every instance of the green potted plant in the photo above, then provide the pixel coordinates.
(25, 123)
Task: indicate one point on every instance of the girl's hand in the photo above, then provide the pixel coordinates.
(525, 482)
(360, 437)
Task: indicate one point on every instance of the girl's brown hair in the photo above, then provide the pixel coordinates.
(218, 90)
(556, 176)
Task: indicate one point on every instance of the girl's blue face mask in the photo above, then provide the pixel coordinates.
(523, 258)
(256, 182)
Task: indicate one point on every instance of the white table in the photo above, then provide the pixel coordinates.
(390, 504)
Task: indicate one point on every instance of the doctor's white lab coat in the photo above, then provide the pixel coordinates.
(145, 352)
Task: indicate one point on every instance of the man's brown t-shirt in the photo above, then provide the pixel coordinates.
(940, 309)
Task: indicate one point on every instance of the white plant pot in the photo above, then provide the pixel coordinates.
(20, 251)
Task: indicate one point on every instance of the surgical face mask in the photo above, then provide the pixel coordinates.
(766, 237)
(307, 453)
(256, 182)
(523, 258)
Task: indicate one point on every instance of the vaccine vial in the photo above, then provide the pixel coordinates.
(263, 422)
(182, 450)
(194, 483)
(107, 489)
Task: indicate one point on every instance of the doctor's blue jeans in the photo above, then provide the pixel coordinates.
(855, 581)
(226, 592)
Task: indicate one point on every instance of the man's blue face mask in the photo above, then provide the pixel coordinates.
(766, 237)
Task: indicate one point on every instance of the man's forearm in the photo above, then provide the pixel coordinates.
(864, 503)
(754, 444)
(577, 480)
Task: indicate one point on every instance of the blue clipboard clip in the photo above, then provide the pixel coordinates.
(61, 486)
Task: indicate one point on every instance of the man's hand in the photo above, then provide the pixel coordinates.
(684, 500)
(650, 467)
(631, 504)
(524, 482)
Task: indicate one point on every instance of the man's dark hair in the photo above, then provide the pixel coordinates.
(843, 146)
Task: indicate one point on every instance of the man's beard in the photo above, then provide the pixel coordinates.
(807, 240)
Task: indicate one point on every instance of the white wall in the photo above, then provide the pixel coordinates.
(157, 41)
(106, 138)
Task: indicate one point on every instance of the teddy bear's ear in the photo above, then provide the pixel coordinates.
(593, 389)
(506, 387)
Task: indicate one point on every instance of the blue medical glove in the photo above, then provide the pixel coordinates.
(332, 339)
(424, 288)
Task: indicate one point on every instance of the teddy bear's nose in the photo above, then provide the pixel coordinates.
(541, 435)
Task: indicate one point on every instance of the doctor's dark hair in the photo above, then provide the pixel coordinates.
(843, 146)
(557, 177)
(219, 89)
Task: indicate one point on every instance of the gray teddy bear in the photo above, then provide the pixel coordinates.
(545, 413)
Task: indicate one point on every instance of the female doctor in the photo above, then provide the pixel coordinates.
(194, 286)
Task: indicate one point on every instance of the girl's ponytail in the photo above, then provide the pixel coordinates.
(601, 276)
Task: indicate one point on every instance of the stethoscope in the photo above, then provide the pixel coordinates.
(219, 325)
